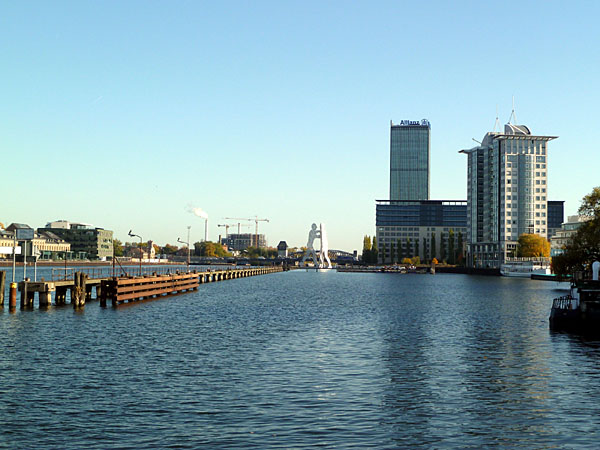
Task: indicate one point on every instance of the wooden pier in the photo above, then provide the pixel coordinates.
(119, 290)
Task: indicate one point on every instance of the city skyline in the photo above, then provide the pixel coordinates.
(124, 115)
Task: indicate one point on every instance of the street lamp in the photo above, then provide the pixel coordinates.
(141, 251)
(188, 246)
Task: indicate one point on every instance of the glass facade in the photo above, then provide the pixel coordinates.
(409, 161)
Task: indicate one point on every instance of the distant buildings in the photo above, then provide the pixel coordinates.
(409, 160)
(507, 193)
(242, 241)
(563, 235)
(427, 229)
(87, 242)
(43, 245)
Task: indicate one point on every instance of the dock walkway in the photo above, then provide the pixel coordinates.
(126, 288)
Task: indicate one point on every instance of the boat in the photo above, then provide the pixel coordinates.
(579, 310)
(525, 267)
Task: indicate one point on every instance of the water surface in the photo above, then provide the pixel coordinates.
(303, 359)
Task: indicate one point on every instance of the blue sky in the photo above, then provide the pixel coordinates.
(124, 114)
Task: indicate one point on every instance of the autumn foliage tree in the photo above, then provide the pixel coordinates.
(533, 246)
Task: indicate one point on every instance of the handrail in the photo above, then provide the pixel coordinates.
(564, 302)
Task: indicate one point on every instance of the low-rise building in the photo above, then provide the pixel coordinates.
(49, 246)
(426, 228)
(563, 235)
(244, 240)
(86, 241)
(282, 249)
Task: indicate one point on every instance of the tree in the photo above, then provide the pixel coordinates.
(417, 252)
(209, 249)
(532, 245)
(169, 249)
(383, 249)
(584, 246)
(443, 254)
(366, 243)
(434, 261)
(425, 249)
(406, 261)
(118, 247)
(433, 252)
(409, 248)
(451, 253)
(392, 253)
(374, 250)
(590, 205)
(460, 248)
(400, 250)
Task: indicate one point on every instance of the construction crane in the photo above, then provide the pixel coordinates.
(255, 220)
(227, 226)
(226, 229)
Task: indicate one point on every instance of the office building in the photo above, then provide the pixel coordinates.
(409, 160)
(426, 228)
(242, 241)
(507, 193)
(556, 216)
(87, 242)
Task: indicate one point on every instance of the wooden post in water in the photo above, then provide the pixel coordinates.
(2, 286)
(78, 294)
(12, 297)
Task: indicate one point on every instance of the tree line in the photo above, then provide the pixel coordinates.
(407, 251)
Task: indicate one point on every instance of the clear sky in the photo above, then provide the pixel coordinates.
(125, 114)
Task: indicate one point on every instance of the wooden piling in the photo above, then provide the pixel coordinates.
(2, 286)
(79, 291)
(12, 297)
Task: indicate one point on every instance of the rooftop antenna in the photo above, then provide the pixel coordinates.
(497, 123)
(513, 114)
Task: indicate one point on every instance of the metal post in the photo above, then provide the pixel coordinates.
(141, 254)
(25, 260)
(141, 251)
(188, 261)
(14, 255)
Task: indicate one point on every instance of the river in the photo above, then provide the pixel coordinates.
(303, 359)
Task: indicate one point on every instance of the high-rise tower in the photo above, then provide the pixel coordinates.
(409, 160)
(507, 193)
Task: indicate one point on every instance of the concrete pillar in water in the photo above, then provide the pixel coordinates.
(45, 299)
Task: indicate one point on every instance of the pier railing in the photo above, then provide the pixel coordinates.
(564, 302)
(68, 273)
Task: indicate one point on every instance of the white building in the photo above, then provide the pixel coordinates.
(507, 193)
(563, 235)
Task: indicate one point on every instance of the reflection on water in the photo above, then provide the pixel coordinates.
(298, 359)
